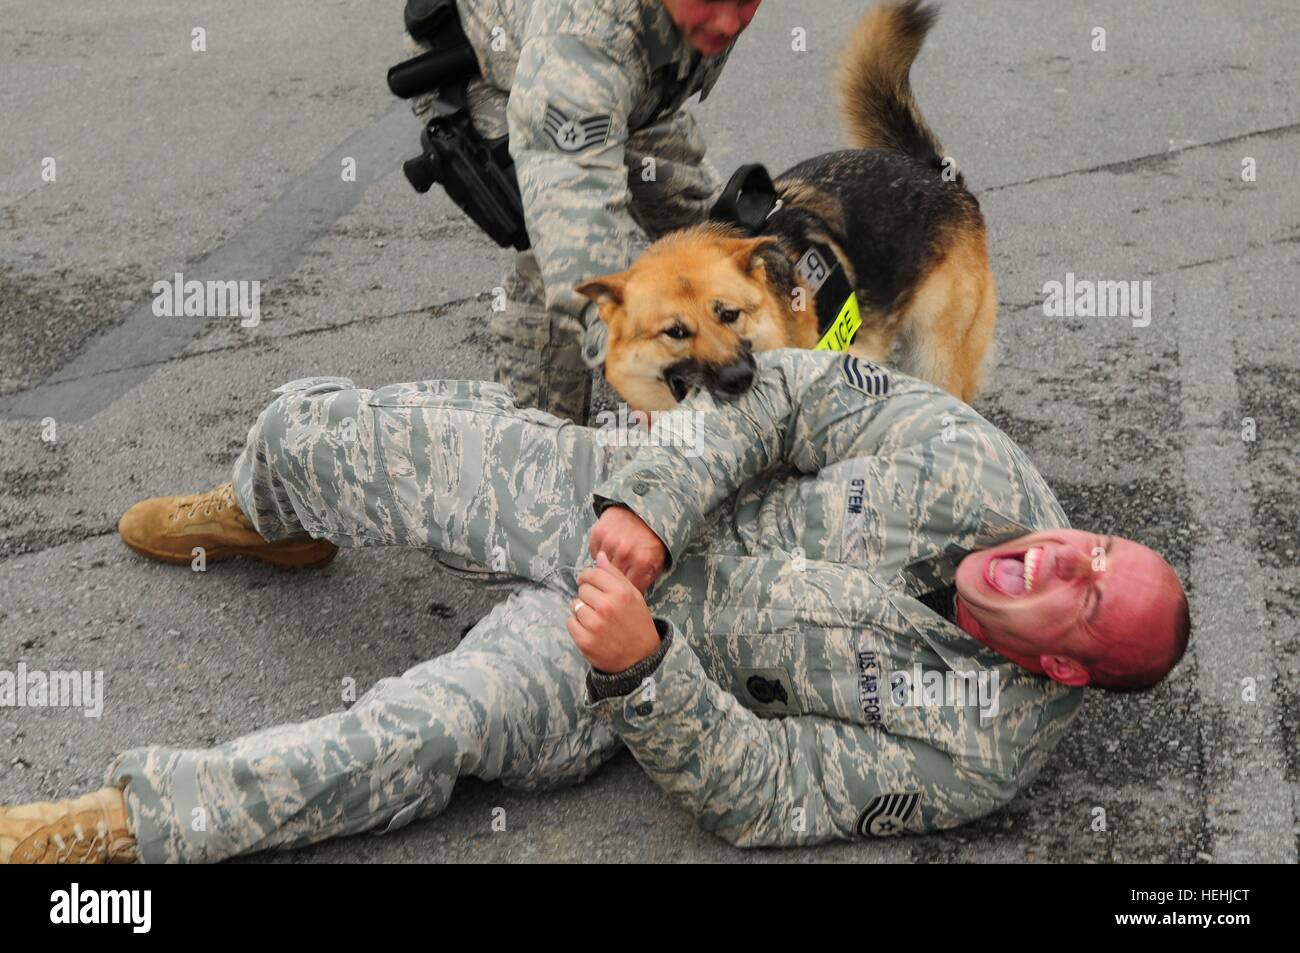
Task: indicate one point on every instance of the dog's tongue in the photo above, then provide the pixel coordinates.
(1010, 576)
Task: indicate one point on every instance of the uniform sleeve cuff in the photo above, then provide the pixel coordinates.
(651, 510)
(602, 685)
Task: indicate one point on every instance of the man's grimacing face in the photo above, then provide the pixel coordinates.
(710, 26)
(1050, 600)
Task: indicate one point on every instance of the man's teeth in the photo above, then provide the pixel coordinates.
(1031, 563)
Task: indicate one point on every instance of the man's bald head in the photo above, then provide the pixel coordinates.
(1079, 607)
(1137, 650)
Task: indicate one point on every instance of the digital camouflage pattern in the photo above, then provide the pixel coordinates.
(840, 491)
(588, 90)
(499, 706)
(826, 501)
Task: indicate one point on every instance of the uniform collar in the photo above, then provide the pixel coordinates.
(939, 571)
(949, 641)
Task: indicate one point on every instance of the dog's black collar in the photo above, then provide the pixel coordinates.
(747, 202)
(748, 199)
(821, 268)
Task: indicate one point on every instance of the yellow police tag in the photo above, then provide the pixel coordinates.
(839, 335)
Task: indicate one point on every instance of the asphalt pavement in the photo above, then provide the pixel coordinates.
(1168, 157)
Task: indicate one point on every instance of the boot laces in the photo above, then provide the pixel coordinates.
(218, 500)
(81, 846)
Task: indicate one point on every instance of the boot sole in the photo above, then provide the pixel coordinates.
(287, 556)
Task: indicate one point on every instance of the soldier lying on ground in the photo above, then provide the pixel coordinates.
(842, 529)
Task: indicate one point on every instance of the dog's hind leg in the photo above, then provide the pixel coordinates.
(948, 326)
(980, 344)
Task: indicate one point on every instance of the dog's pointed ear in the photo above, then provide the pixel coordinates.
(743, 250)
(607, 288)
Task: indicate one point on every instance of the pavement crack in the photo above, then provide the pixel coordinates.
(1211, 261)
(67, 537)
(1138, 162)
(435, 311)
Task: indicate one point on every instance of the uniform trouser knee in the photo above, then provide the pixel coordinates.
(305, 448)
(452, 466)
(539, 351)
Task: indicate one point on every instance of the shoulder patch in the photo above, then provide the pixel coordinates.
(574, 135)
(889, 814)
(871, 379)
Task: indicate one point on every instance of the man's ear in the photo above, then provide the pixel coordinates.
(1061, 668)
(609, 288)
(743, 250)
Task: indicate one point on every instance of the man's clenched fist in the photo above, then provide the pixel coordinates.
(631, 546)
(609, 621)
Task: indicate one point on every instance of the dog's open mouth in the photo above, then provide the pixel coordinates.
(677, 384)
(727, 380)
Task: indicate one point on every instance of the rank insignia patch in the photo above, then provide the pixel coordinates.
(888, 815)
(574, 135)
(869, 378)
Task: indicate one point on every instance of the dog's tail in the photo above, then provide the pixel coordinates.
(875, 94)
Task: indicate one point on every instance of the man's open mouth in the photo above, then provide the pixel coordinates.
(1012, 574)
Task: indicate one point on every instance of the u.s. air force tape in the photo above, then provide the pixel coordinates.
(889, 815)
(869, 378)
(574, 135)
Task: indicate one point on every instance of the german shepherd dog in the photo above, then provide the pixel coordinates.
(910, 237)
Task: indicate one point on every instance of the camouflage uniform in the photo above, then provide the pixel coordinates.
(827, 503)
(621, 72)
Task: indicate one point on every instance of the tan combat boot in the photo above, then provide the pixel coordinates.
(86, 830)
(168, 528)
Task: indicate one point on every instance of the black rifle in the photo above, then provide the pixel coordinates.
(477, 173)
